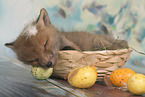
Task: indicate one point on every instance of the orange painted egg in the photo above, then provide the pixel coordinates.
(120, 76)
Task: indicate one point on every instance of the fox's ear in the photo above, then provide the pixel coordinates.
(43, 18)
(10, 45)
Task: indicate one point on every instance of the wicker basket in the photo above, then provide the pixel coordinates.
(104, 61)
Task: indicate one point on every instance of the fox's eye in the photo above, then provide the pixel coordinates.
(30, 61)
(45, 44)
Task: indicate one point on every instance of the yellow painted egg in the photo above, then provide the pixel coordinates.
(136, 84)
(41, 73)
(82, 77)
(120, 76)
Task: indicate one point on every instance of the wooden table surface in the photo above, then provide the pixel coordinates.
(99, 89)
(16, 80)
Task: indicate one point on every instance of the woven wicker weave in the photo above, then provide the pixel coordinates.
(104, 61)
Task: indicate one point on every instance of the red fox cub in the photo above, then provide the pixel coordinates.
(39, 43)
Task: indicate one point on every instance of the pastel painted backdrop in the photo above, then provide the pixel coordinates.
(124, 19)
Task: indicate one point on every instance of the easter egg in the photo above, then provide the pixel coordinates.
(41, 73)
(120, 76)
(136, 84)
(82, 77)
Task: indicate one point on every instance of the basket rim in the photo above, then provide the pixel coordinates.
(102, 51)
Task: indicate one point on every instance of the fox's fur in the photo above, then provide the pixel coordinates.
(39, 42)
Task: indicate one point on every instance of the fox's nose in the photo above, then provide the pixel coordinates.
(49, 64)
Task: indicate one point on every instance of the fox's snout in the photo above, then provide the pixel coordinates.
(42, 63)
(49, 64)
